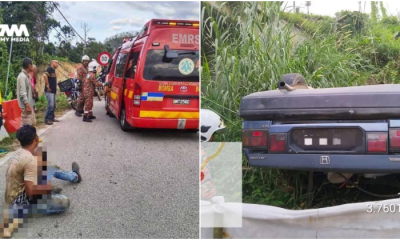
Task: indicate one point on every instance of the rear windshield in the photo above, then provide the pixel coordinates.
(183, 68)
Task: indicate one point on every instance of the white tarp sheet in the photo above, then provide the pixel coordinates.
(344, 221)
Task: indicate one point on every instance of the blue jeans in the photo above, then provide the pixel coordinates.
(66, 176)
(62, 175)
(51, 106)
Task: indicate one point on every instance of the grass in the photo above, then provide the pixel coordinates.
(248, 46)
(8, 143)
(11, 143)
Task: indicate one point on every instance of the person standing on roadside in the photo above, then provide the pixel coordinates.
(24, 93)
(1, 112)
(50, 91)
(89, 86)
(81, 74)
(33, 84)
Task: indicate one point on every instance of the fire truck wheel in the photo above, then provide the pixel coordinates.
(122, 120)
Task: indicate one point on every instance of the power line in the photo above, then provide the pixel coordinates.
(51, 27)
(68, 22)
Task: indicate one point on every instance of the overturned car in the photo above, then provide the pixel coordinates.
(344, 130)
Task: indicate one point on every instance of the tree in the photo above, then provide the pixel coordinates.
(68, 34)
(116, 40)
(86, 30)
(383, 10)
(93, 48)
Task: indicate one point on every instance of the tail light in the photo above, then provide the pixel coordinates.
(254, 139)
(377, 142)
(394, 139)
(277, 142)
(68, 93)
(137, 93)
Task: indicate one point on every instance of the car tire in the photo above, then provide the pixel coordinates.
(107, 106)
(122, 120)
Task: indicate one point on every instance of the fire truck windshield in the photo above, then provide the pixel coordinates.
(183, 68)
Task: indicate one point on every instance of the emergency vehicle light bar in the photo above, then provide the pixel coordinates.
(177, 23)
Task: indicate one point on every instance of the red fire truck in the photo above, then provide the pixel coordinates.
(154, 77)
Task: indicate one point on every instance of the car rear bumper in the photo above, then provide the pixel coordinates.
(164, 123)
(327, 163)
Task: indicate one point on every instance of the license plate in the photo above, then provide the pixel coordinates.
(326, 139)
(181, 101)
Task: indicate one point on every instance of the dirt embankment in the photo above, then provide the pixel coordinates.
(64, 71)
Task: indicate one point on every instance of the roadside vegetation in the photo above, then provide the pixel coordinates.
(248, 46)
(11, 143)
(42, 47)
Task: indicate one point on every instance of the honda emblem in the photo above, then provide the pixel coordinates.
(325, 160)
(183, 89)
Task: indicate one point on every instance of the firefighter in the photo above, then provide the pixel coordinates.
(81, 74)
(89, 85)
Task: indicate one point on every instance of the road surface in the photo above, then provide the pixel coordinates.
(140, 184)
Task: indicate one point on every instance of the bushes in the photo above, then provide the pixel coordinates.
(312, 24)
(352, 21)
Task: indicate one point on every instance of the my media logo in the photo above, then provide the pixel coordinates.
(14, 33)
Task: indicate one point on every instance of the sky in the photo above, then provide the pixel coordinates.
(330, 7)
(110, 18)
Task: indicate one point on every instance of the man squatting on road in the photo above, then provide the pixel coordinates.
(27, 191)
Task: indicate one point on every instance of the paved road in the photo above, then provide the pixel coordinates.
(140, 184)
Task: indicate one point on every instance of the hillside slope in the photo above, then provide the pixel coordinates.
(63, 72)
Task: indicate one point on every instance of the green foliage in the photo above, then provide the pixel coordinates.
(311, 24)
(390, 21)
(383, 10)
(41, 104)
(374, 11)
(95, 48)
(355, 22)
(7, 143)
